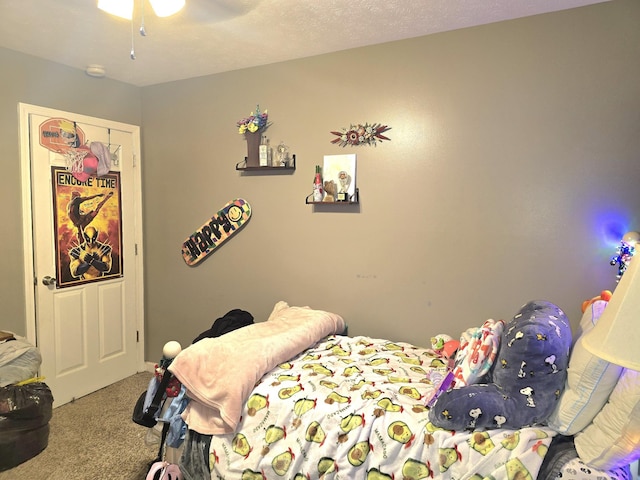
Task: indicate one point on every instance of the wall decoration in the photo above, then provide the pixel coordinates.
(341, 169)
(367, 134)
(252, 128)
(221, 226)
(87, 227)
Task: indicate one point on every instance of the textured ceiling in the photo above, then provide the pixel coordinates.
(212, 36)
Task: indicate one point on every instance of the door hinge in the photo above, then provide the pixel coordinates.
(137, 336)
(136, 249)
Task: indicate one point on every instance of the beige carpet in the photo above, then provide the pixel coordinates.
(94, 438)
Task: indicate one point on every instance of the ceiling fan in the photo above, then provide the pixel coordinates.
(124, 8)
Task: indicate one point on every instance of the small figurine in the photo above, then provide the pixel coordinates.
(345, 180)
(282, 155)
(330, 190)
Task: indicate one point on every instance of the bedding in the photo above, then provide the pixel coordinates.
(562, 462)
(237, 360)
(590, 381)
(292, 398)
(354, 407)
(612, 439)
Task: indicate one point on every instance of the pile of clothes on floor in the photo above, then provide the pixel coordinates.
(25, 402)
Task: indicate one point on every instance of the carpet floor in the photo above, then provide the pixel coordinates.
(94, 438)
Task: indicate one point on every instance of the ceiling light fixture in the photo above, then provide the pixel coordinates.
(166, 8)
(124, 8)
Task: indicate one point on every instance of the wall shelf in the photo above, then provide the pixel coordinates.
(242, 166)
(353, 200)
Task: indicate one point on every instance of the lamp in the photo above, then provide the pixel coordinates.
(124, 8)
(616, 336)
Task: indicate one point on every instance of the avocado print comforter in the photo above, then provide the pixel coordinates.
(354, 408)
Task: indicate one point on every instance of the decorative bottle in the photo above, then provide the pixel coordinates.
(263, 149)
(318, 193)
(270, 159)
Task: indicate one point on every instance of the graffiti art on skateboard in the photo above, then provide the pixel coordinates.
(225, 223)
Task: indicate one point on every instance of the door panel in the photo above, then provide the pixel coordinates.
(69, 335)
(112, 321)
(87, 330)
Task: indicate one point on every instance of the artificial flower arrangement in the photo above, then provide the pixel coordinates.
(367, 134)
(254, 122)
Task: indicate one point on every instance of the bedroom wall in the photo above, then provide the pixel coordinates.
(514, 151)
(31, 80)
(513, 167)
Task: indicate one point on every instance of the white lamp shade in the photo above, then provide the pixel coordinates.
(119, 8)
(165, 8)
(616, 336)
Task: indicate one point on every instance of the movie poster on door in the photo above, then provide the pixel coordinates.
(88, 227)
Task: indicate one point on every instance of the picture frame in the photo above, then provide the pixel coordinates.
(341, 169)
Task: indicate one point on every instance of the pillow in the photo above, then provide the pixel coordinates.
(477, 352)
(590, 380)
(613, 438)
(524, 383)
(591, 316)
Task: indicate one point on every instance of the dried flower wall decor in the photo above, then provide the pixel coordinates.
(367, 134)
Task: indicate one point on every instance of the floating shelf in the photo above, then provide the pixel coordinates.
(353, 200)
(242, 166)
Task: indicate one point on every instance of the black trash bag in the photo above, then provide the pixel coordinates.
(25, 412)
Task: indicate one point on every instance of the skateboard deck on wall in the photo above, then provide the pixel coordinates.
(217, 230)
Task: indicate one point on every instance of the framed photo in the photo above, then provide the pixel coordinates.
(341, 169)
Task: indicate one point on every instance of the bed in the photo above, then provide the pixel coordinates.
(296, 398)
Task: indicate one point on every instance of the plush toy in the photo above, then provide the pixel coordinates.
(437, 342)
(446, 347)
(604, 295)
(330, 189)
(525, 381)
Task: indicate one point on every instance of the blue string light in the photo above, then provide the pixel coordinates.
(624, 253)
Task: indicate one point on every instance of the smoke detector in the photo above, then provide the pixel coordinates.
(96, 71)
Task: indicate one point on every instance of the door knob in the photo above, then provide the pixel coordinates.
(48, 280)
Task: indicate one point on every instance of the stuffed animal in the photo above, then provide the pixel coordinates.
(446, 347)
(437, 342)
(525, 381)
(330, 190)
(604, 295)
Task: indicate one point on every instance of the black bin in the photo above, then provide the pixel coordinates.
(25, 412)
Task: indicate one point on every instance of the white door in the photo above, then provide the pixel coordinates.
(84, 263)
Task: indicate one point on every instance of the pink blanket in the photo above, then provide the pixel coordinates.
(220, 373)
